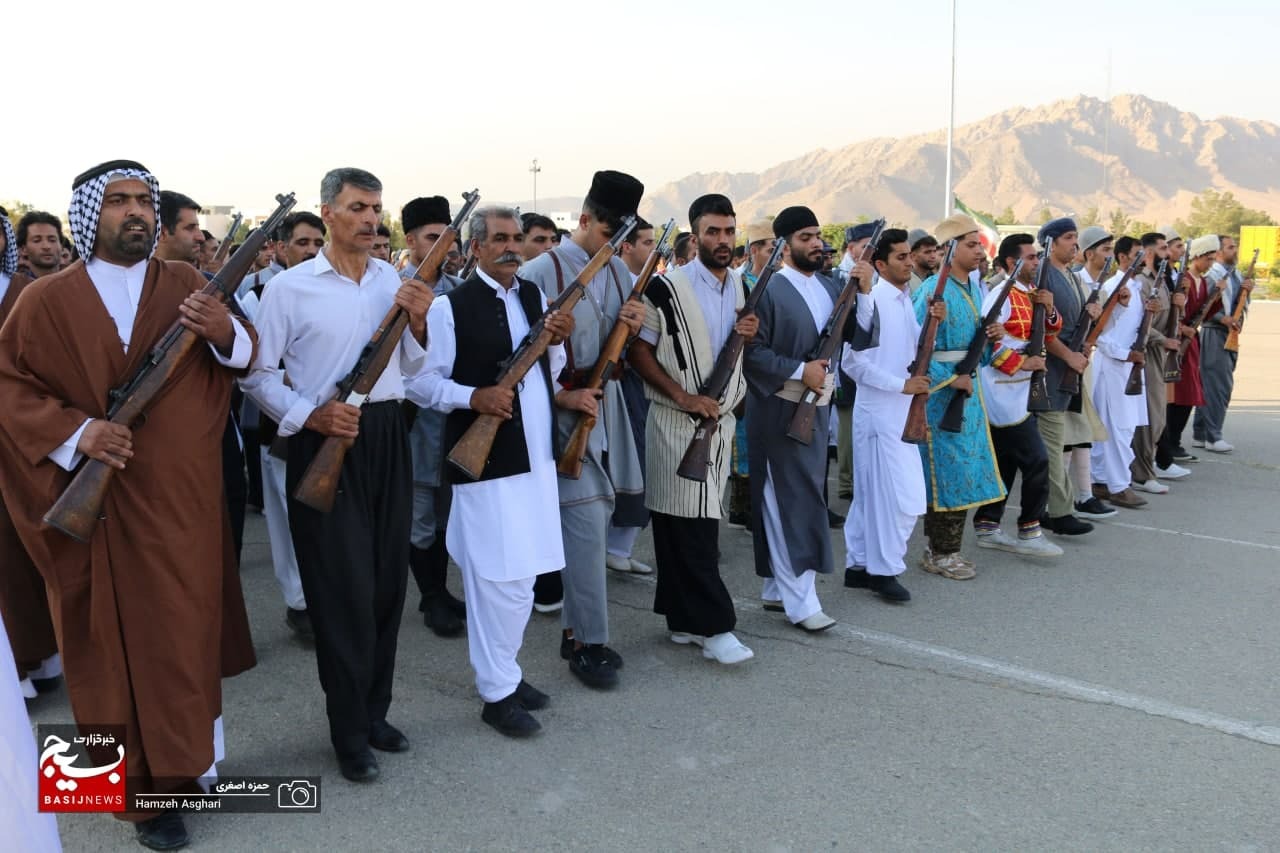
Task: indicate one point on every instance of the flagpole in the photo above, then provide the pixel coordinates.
(951, 123)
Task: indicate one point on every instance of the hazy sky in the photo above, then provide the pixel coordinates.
(232, 101)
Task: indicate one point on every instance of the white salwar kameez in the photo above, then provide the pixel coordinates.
(888, 475)
(502, 532)
(21, 823)
(795, 586)
(1122, 414)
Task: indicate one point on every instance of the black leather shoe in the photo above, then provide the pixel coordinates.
(592, 668)
(1066, 525)
(458, 606)
(165, 831)
(361, 767)
(299, 621)
(856, 578)
(386, 737)
(510, 718)
(530, 697)
(834, 521)
(888, 588)
(46, 685)
(566, 652)
(440, 617)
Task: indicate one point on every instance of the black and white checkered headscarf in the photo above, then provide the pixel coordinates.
(86, 201)
(9, 262)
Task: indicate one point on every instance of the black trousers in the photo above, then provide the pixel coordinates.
(690, 592)
(253, 457)
(234, 487)
(1020, 448)
(353, 562)
(1176, 418)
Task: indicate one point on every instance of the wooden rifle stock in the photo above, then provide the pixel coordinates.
(319, 484)
(916, 428)
(1210, 302)
(1173, 328)
(78, 508)
(953, 418)
(224, 248)
(1133, 387)
(1070, 378)
(1070, 382)
(697, 456)
(606, 366)
(1038, 392)
(1237, 315)
(471, 453)
(801, 427)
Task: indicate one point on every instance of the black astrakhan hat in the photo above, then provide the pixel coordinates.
(616, 192)
(425, 211)
(792, 219)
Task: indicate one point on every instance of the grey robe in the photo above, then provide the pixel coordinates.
(786, 338)
(594, 316)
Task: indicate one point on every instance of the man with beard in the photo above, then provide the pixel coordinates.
(539, 235)
(611, 487)
(790, 555)
(23, 601)
(924, 256)
(40, 239)
(426, 220)
(503, 527)
(889, 492)
(382, 244)
(317, 317)
(1217, 363)
(1188, 392)
(690, 313)
(960, 468)
(1146, 475)
(144, 646)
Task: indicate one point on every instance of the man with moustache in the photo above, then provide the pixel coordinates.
(611, 487)
(690, 312)
(1146, 475)
(1217, 363)
(1188, 392)
(503, 526)
(143, 645)
(426, 220)
(40, 239)
(382, 244)
(539, 235)
(790, 553)
(317, 317)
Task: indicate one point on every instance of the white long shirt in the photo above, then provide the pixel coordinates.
(318, 320)
(881, 371)
(507, 528)
(1111, 370)
(815, 296)
(120, 289)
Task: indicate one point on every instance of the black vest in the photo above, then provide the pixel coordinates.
(483, 345)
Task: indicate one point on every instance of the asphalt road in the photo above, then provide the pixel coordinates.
(1122, 697)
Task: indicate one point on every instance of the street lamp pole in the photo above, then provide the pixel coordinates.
(535, 169)
(951, 123)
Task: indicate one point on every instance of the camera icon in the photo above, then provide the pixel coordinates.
(299, 794)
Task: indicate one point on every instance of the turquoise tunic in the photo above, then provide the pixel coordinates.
(960, 468)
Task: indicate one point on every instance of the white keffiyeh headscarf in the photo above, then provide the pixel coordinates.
(9, 262)
(86, 201)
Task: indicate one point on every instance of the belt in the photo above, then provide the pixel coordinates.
(948, 356)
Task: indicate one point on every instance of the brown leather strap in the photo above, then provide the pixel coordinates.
(569, 370)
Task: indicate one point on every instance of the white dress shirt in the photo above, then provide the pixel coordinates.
(317, 321)
(815, 295)
(717, 301)
(120, 289)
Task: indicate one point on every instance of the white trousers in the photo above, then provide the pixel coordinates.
(276, 509)
(26, 828)
(497, 613)
(798, 593)
(1109, 460)
(622, 540)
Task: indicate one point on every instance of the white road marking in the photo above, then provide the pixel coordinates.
(1108, 522)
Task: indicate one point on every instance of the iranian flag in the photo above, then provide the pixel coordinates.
(987, 228)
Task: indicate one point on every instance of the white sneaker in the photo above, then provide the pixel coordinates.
(1218, 446)
(28, 689)
(815, 623)
(1173, 472)
(1195, 442)
(1153, 487)
(617, 563)
(1036, 546)
(683, 639)
(639, 568)
(726, 648)
(549, 608)
(997, 539)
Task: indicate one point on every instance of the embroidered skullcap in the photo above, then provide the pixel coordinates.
(1206, 245)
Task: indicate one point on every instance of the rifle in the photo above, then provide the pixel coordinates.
(469, 264)
(1233, 336)
(697, 457)
(917, 425)
(1038, 393)
(319, 482)
(1211, 301)
(1173, 365)
(225, 246)
(1070, 382)
(829, 340)
(77, 510)
(606, 365)
(1133, 387)
(953, 417)
(471, 453)
(1107, 308)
